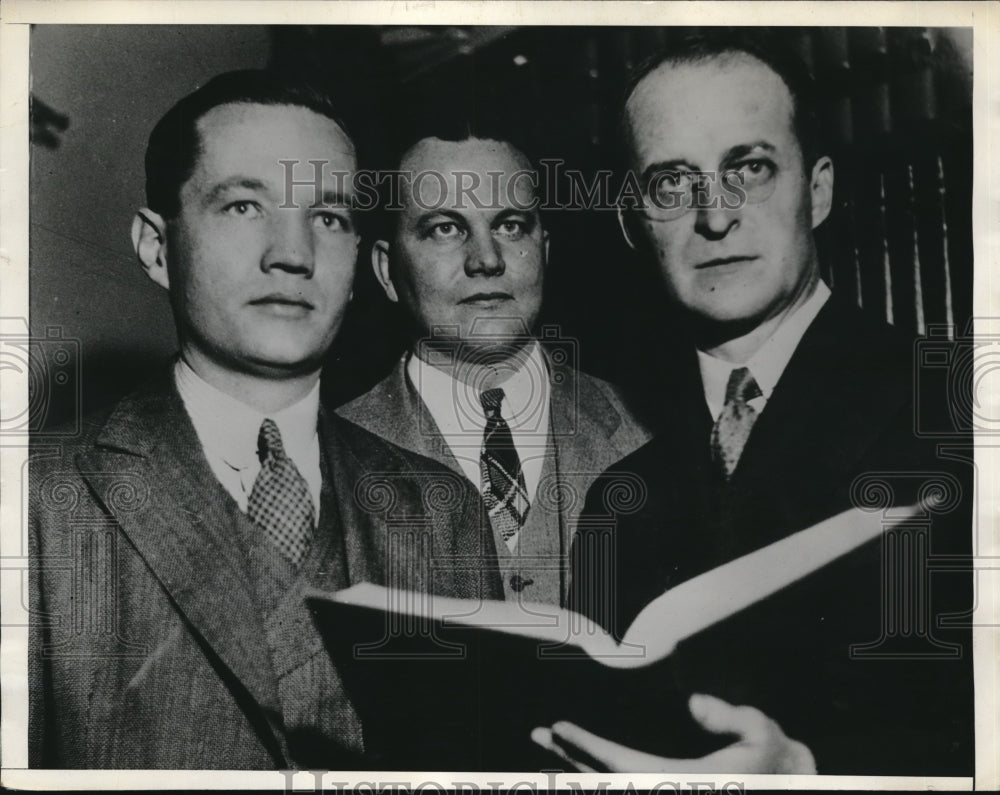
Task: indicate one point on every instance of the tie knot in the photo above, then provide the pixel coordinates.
(742, 386)
(491, 400)
(269, 441)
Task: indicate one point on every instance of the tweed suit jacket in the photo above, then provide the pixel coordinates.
(870, 681)
(147, 646)
(590, 426)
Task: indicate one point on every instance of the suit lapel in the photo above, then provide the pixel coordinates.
(365, 471)
(394, 410)
(180, 530)
(362, 545)
(583, 425)
(815, 406)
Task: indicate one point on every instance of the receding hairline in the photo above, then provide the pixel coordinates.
(723, 59)
(433, 141)
(406, 164)
(245, 103)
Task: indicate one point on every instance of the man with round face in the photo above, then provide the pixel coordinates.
(219, 488)
(470, 263)
(465, 257)
(787, 400)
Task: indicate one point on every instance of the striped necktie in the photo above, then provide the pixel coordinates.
(502, 481)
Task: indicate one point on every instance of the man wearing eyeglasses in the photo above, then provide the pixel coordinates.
(788, 402)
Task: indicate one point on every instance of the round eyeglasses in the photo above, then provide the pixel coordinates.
(672, 193)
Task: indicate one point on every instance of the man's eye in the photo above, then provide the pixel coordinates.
(445, 231)
(671, 189)
(673, 179)
(332, 221)
(243, 209)
(753, 172)
(512, 229)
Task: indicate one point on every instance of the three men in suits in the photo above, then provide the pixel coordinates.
(466, 258)
(172, 541)
(789, 407)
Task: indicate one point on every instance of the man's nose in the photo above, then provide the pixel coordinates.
(484, 256)
(713, 219)
(291, 245)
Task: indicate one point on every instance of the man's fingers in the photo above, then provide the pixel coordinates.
(799, 760)
(582, 744)
(775, 753)
(543, 737)
(603, 754)
(721, 717)
(599, 753)
(762, 746)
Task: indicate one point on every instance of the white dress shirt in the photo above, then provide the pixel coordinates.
(458, 413)
(228, 431)
(770, 360)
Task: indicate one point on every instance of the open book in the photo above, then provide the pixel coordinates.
(458, 684)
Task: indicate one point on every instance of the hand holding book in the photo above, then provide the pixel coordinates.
(761, 746)
(478, 676)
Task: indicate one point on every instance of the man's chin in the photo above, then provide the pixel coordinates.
(282, 366)
(481, 338)
(483, 350)
(486, 330)
(725, 322)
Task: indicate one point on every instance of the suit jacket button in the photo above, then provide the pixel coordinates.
(519, 583)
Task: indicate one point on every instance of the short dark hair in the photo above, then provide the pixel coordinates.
(174, 144)
(763, 46)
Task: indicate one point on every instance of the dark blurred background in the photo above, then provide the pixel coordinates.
(896, 105)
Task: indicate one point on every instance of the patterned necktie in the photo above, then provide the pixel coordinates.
(280, 503)
(737, 418)
(503, 488)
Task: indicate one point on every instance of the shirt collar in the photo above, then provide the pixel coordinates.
(770, 360)
(456, 407)
(228, 428)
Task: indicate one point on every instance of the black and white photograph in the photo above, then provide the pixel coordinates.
(501, 395)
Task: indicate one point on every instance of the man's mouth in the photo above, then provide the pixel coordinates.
(720, 261)
(486, 298)
(280, 302)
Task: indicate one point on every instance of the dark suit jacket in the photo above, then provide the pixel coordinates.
(590, 426)
(147, 646)
(838, 430)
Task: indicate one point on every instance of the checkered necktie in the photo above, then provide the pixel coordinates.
(280, 503)
(503, 488)
(737, 418)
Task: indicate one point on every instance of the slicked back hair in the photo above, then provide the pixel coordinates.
(174, 144)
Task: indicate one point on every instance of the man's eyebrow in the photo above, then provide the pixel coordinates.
(742, 150)
(733, 153)
(665, 165)
(247, 183)
(506, 213)
(425, 216)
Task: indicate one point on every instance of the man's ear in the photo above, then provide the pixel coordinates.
(149, 239)
(380, 264)
(821, 190)
(545, 248)
(623, 224)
